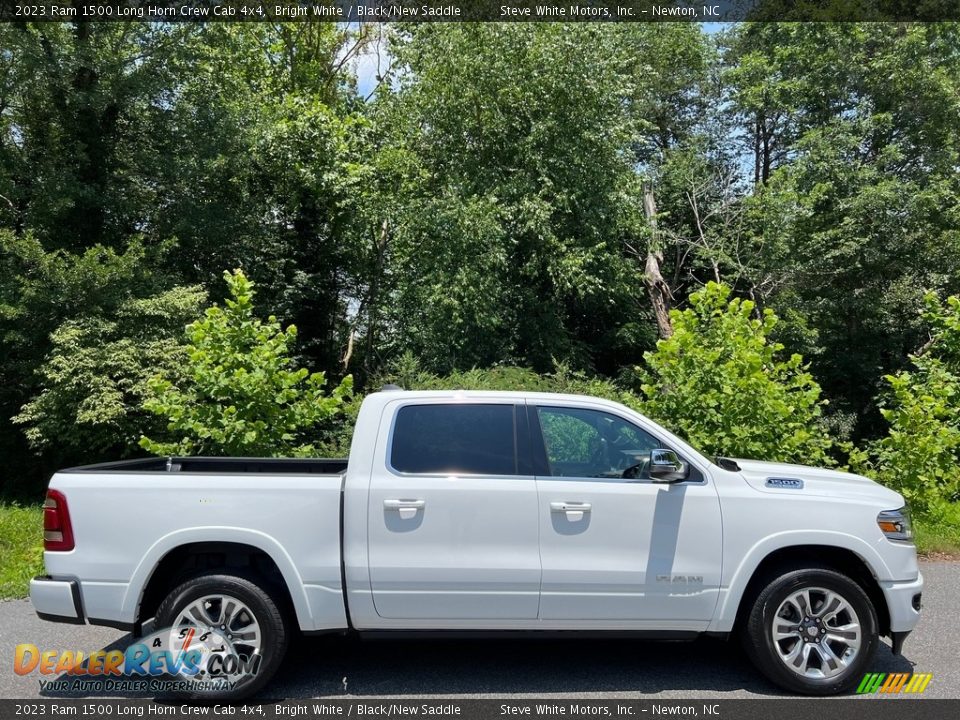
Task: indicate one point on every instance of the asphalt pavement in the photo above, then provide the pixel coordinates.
(568, 668)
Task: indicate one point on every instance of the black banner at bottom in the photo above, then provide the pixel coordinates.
(872, 707)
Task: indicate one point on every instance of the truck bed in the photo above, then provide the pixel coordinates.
(220, 465)
(127, 517)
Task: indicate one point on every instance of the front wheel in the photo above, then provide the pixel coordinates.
(812, 631)
(236, 630)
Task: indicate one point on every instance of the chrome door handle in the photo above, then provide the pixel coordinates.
(569, 507)
(406, 508)
(574, 511)
(403, 504)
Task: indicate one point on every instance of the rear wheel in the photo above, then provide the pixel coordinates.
(236, 626)
(812, 631)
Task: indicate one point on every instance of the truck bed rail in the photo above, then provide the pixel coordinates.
(265, 466)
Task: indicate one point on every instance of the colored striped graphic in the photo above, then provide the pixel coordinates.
(893, 683)
(918, 683)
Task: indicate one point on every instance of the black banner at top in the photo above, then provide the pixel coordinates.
(479, 10)
(878, 707)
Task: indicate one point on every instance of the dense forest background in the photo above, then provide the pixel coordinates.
(536, 196)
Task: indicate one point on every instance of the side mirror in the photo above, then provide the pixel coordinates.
(666, 467)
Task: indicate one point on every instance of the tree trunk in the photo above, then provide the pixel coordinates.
(380, 246)
(756, 150)
(657, 287)
(767, 152)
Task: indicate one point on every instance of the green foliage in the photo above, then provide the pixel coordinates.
(407, 372)
(720, 382)
(54, 303)
(848, 125)
(37, 283)
(240, 392)
(95, 378)
(480, 209)
(937, 528)
(564, 439)
(21, 548)
(505, 244)
(920, 456)
(40, 289)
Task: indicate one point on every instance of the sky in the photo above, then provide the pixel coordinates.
(366, 69)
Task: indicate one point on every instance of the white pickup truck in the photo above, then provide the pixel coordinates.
(489, 511)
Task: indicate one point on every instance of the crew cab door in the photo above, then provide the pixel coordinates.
(615, 548)
(452, 516)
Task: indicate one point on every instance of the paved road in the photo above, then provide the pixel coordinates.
(325, 667)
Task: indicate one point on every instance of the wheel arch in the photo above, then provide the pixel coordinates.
(185, 554)
(752, 578)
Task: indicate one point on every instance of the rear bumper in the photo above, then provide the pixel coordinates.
(903, 602)
(57, 600)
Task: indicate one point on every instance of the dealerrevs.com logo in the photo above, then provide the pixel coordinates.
(181, 659)
(892, 683)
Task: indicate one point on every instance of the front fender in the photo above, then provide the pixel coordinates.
(732, 590)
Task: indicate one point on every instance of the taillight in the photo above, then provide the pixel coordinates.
(57, 533)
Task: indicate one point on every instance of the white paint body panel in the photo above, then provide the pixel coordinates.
(125, 523)
(644, 551)
(482, 552)
(469, 553)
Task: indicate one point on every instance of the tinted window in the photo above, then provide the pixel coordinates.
(454, 439)
(591, 443)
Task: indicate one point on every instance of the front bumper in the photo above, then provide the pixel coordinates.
(57, 600)
(903, 602)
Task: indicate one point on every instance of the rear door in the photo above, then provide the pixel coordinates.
(616, 548)
(452, 516)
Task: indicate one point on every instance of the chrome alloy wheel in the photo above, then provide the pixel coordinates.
(224, 625)
(816, 633)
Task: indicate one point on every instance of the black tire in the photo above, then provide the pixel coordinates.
(758, 632)
(273, 625)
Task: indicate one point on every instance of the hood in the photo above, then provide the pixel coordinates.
(815, 481)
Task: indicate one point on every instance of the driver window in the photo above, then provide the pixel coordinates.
(591, 443)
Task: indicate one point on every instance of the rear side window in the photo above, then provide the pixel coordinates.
(455, 440)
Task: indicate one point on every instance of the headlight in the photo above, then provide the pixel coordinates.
(895, 524)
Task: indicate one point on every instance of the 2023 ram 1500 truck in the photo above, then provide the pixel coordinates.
(463, 511)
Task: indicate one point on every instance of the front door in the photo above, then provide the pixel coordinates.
(616, 548)
(452, 519)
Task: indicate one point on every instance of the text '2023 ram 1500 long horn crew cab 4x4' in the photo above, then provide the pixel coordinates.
(461, 511)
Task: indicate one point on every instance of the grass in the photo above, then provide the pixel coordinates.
(938, 534)
(21, 548)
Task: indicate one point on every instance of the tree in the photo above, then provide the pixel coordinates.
(506, 247)
(95, 378)
(240, 392)
(499, 199)
(84, 121)
(920, 455)
(121, 142)
(673, 105)
(858, 186)
(721, 382)
(43, 292)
